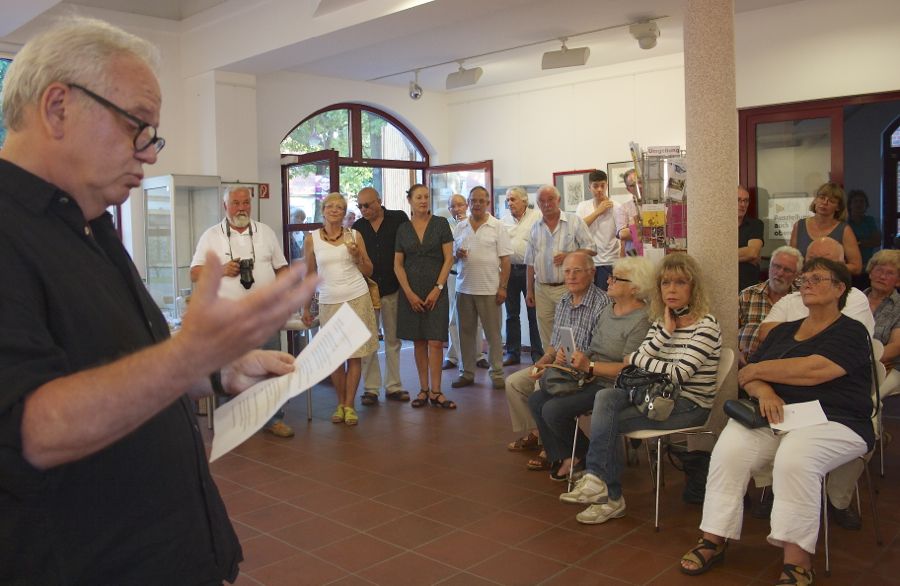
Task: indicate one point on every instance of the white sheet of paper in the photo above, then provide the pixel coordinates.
(245, 414)
(798, 415)
(567, 339)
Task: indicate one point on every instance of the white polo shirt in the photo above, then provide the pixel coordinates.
(264, 247)
(791, 308)
(479, 272)
(520, 232)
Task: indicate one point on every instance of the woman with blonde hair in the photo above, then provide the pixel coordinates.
(684, 342)
(338, 255)
(829, 208)
(884, 301)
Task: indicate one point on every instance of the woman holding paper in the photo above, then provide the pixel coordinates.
(338, 255)
(684, 342)
(823, 358)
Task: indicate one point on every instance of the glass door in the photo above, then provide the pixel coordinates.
(446, 180)
(305, 180)
(786, 154)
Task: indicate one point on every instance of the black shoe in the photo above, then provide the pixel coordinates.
(763, 509)
(847, 518)
(448, 365)
(511, 360)
(482, 363)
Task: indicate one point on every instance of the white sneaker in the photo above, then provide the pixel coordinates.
(596, 514)
(588, 490)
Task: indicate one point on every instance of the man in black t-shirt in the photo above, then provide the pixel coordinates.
(378, 227)
(750, 242)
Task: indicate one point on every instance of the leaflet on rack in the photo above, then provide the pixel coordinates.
(245, 414)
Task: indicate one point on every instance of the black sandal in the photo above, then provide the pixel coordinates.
(703, 565)
(797, 575)
(401, 396)
(421, 399)
(436, 402)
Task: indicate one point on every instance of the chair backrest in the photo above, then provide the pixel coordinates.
(726, 360)
(716, 413)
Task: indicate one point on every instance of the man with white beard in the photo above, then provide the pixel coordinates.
(236, 240)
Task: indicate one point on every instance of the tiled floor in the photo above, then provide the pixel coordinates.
(427, 496)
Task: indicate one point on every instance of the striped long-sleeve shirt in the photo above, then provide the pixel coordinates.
(689, 355)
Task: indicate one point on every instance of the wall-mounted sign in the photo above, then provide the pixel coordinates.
(263, 191)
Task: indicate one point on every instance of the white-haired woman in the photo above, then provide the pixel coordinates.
(884, 301)
(339, 256)
(684, 342)
(620, 329)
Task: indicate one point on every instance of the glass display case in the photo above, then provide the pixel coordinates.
(177, 210)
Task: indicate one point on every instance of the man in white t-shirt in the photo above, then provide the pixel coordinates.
(482, 248)
(600, 213)
(841, 480)
(251, 256)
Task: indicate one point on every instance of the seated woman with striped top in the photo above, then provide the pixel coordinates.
(684, 341)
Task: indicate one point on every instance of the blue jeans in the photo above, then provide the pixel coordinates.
(555, 419)
(614, 415)
(515, 291)
(601, 273)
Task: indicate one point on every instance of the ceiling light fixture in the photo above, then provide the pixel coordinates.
(463, 77)
(645, 33)
(565, 57)
(415, 90)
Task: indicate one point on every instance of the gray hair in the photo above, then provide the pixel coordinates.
(229, 189)
(789, 250)
(549, 188)
(641, 272)
(519, 193)
(76, 51)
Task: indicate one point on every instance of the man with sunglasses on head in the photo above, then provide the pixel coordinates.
(103, 474)
(378, 226)
(251, 256)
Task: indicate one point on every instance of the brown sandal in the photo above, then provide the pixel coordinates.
(421, 399)
(703, 564)
(541, 462)
(525, 443)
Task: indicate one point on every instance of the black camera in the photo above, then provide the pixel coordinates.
(246, 272)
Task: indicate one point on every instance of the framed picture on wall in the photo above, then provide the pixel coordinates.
(616, 173)
(574, 187)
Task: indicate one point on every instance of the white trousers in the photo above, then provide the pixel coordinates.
(799, 460)
(519, 387)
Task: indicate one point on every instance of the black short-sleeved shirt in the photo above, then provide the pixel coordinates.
(748, 273)
(380, 247)
(846, 399)
(143, 510)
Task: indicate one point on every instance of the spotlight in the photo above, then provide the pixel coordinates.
(415, 90)
(645, 33)
(565, 57)
(463, 77)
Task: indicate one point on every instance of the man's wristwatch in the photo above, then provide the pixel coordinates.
(591, 369)
(439, 286)
(215, 381)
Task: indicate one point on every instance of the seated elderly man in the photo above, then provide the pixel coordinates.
(756, 301)
(841, 481)
(578, 309)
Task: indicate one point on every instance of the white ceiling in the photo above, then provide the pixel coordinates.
(425, 33)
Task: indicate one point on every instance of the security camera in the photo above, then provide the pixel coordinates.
(415, 90)
(645, 33)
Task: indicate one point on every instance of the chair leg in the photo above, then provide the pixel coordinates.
(309, 404)
(650, 463)
(825, 527)
(658, 477)
(872, 501)
(572, 461)
(210, 410)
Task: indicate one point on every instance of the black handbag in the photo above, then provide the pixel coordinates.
(653, 393)
(745, 412)
(558, 380)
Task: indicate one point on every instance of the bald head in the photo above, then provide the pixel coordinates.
(825, 247)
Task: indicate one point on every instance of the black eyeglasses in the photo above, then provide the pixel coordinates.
(614, 279)
(813, 280)
(146, 133)
(365, 206)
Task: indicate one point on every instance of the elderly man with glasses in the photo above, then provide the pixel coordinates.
(101, 447)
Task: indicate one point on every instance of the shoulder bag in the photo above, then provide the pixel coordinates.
(652, 393)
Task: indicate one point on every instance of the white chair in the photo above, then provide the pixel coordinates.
(726, 360)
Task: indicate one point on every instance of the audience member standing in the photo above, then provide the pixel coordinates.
(378, 228)
(750, 242)
(627, 213)
(552, 238)
(599, 213)
(482, 250)
(519, 224)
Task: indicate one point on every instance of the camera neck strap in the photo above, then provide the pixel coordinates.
(227, 231)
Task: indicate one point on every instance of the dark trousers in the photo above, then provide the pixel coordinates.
(515, 292)
(601, 273)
